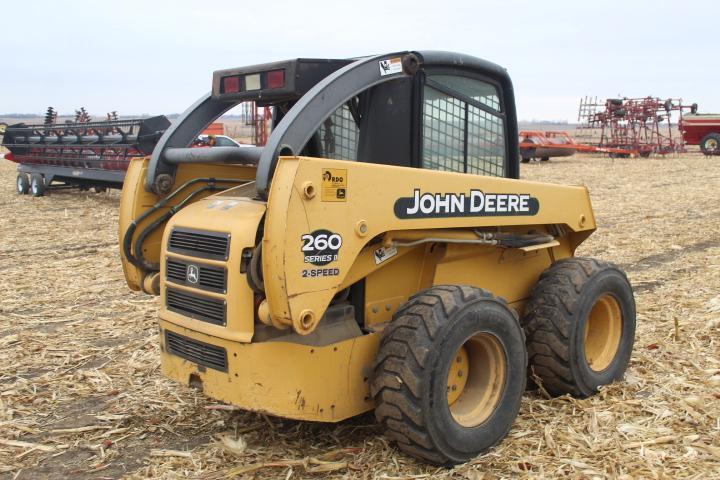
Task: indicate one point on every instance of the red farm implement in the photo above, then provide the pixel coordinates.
(80, 154)
(633, 126)
(702, 129)
(541, 145)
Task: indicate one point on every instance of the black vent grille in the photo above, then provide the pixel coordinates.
(199, 352)
(207, 309)
(201, 244)
(206, 277)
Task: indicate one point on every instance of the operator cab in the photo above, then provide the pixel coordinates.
(434, 110)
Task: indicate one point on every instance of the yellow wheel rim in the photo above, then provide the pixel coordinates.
(603, 331)
(476, 379)
(457, 377)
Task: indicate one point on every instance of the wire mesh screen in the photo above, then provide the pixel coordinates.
(486, 143)
(459, 137)
(444, 134)
(339, 135)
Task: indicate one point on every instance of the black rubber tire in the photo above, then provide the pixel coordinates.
(710, 138)
(22, 184)
(556, 317)
(525, 160)
(37, 185)
(409, 381)
(98, 189)
(545, 159)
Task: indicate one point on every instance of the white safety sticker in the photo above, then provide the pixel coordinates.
(384, 253)
(390, 66)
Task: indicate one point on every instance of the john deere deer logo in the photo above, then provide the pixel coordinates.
(192, 274)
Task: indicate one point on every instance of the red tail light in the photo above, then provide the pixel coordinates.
(276, 79)
(231, 84)
(9, 156)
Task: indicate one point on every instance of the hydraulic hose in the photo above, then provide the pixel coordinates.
(130, 232)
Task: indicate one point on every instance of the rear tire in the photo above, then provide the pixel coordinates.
(450, 374)
(710, 144)
(22, 184)
(580, 326)
(37, 185)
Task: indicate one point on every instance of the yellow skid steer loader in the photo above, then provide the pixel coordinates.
(379, 252)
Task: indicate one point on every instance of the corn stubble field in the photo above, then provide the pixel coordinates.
(81, 394)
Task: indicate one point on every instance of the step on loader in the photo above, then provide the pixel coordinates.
(379, 252)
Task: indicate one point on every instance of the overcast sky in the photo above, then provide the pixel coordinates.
(157, 57)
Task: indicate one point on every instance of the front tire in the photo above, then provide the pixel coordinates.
(710, 144)
(450, 374)
(580, 326)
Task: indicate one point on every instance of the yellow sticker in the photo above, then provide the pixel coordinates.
(334, 185)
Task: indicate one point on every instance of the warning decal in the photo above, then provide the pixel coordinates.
(334, 185)
(390, 66)
(384, 253)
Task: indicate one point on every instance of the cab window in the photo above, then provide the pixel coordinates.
(463, 126)
(339, 135)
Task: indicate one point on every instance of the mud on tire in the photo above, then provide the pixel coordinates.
(580, 326)
(417, 364)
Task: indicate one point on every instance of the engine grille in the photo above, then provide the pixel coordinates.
(199, 307)
(206, 277)
(198, 243)
(199, 352)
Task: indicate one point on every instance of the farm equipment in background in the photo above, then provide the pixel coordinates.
(702, 129)
(541, 145)
(379, 252)
(261, 117)
(633, 126)
(80, 154)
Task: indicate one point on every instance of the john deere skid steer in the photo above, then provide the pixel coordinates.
(378, 253)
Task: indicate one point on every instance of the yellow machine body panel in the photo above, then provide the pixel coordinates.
(379, 199)
(318, 383)
(386, 231)
(238, 217)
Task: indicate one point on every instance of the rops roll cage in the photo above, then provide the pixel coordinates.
(304, 118)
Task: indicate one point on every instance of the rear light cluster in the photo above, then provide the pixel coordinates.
(253, 81)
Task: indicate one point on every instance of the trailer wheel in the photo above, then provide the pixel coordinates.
(37, 185)
(580, 326)
(98, 189)
(450, 374)
(23, 184)
(710, 144)
(545, 159)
